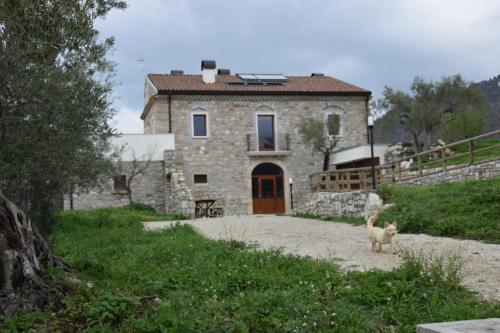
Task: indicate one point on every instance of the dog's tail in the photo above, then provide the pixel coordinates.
(371, 219)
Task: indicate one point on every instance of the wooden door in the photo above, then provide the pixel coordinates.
(268, 194)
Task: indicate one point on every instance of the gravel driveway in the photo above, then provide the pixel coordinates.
(349, 246)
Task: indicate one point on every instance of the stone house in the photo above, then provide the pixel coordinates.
(236, 140)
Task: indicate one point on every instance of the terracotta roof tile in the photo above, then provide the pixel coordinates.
(300, 85)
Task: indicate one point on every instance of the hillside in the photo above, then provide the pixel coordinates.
(388, 130)
(468, 210)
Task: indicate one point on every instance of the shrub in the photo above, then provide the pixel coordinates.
(385, 191)
(140, 207)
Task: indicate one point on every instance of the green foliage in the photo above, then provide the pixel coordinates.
(55, 86)
(141, 207)
(464, 210)
(313, 133)
(176, 280)
(466, 124)
(333, 124)
(344, 219)
(385, 192)
(451, 109)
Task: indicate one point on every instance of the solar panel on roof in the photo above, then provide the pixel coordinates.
(247, 76)
(263, 77)
(271, 77)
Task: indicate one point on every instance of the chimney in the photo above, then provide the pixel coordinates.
(176, 72)
(208, 71)
(317, 74)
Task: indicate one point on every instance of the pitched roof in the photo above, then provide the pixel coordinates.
(295, 85)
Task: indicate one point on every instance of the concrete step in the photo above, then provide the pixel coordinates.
(490, 325)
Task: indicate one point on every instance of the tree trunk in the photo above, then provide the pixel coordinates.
(129, 189)
(23, 253)
(326, 161)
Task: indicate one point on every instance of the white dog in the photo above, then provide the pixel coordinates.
(379, 236)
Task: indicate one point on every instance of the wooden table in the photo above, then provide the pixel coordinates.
(202, 208)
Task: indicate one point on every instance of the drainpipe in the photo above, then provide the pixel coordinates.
(169, 114)
(367, 114)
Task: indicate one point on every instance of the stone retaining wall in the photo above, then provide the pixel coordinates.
(478, 171)
(334, 203)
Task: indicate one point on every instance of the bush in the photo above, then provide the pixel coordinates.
(141, 207)
(385, 192)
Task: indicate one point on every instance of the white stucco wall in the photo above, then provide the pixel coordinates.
(140, 144)
(357, 153)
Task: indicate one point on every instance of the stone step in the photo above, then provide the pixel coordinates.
(490, 325)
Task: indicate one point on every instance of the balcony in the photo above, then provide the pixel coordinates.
(262, 145)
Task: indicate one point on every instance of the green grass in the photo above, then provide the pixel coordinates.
(337, 218)
(480, 156)
(469, 210)
(178, 281)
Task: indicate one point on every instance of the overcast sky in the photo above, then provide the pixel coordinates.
(365, 42)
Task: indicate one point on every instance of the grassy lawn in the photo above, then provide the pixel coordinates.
(468, 210)
(178, 281)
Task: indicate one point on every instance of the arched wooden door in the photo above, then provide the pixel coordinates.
(268, 193)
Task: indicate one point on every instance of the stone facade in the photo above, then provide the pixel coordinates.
(334, 204)
(484, 170)
(224, 157)
(148, 189)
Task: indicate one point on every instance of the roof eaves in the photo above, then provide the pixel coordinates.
(257, 93)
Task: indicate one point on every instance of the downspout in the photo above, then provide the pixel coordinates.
(367, 114)
(169, 114)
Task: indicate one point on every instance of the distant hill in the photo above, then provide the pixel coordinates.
(388, 130)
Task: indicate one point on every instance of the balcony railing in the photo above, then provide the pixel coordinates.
(269, 143)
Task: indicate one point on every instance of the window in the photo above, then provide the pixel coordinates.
(333, 124)
(333, 121)
(200, 125)
(120, 184)
(265, 130)
(200, 179)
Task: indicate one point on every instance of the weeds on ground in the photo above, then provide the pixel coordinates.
(176, 280)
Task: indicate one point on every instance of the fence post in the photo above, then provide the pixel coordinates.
(393, 173)
(443, 157)
(419, 163)
(399, 170)
(471, 152)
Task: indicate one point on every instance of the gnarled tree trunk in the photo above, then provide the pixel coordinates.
(23, 252)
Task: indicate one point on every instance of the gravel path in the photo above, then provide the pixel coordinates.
(349, 246)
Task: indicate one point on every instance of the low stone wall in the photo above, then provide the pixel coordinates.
(478, 171)
(334, 203)
(147, 189)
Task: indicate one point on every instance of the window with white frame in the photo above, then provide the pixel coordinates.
(199, 124)
(333, 121)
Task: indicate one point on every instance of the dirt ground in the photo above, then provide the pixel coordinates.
(348, 245)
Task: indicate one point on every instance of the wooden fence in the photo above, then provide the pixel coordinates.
(453, 156)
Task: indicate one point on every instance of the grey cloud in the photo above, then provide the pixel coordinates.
(367, 43)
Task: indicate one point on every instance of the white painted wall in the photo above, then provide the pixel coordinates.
(141, 143)
(359, 152)
(208, 75)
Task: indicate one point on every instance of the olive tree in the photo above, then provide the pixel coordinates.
(55, 86)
